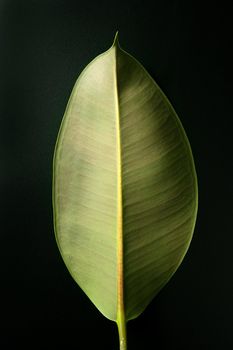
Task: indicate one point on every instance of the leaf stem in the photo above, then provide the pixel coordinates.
(121, 324)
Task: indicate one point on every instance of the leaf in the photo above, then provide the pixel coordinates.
(124, 186)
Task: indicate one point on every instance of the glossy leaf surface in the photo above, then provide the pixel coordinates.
(124, 186)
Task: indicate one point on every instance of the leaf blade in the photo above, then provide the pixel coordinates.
(123, 154)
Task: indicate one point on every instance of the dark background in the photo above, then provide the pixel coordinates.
(44, 45)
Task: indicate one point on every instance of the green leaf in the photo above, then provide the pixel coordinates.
(124, 186)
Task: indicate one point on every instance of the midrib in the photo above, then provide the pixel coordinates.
(120, 284)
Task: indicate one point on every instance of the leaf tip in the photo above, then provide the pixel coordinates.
(116, 40)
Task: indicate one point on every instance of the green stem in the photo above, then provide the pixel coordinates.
(121, 324)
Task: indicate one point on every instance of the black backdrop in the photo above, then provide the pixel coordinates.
(44, 45)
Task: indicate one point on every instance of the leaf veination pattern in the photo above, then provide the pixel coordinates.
(124, 186)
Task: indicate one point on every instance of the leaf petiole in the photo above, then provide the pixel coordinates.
(121, 324)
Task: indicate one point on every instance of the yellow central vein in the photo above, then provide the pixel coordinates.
(119, 198)
(120, 282)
